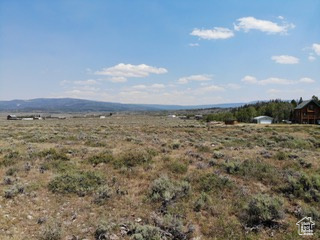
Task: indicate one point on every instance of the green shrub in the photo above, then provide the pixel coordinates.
(310, 212)
(103, 230)
(58, 165)
(203, 202)
(173, 225)
(165, 190)
(146, 232)
(232, 167)
(10, 158)
(254, 169)
(166, 227)
(13, 191)
(304, 186)
(178, 167)
(175, 145)
(104, 157)
(103, 194)
(53, 154)
(51, 231)
(12, 171)
(217, 155)
(263, 210)
(133, 157)
(281, 155)
(211, 181)
(80, 183)
(204, 148)
(304, 164)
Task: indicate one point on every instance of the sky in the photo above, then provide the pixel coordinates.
(160, 51)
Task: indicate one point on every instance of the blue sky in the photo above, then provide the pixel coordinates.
(165, 52)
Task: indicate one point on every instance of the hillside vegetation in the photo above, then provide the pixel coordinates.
(150, 177)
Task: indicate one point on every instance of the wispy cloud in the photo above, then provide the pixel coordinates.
(316, 48)
(250, 23)
(86, 82)
(285, 59)
(215, 33)
(275, 80)
(194, 44)
(249, 79)
(120, 72)
(306, 80)
(233, 86)
(200, 77)
(154, 86)
(311, 58)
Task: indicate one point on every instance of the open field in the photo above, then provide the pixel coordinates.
(150, 177)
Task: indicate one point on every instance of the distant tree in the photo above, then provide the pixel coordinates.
(277, 109)
(294, 103)
(315, 98)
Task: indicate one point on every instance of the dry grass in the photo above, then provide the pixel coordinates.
(226, 167)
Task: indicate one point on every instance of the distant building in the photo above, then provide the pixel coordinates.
(12, 117)
(198, 117)
(263, 120)
(307, 112)
(172, 116)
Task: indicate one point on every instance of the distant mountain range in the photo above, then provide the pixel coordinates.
(57, 105)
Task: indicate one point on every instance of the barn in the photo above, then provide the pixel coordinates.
(263, 120)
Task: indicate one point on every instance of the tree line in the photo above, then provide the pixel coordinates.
(277, 109)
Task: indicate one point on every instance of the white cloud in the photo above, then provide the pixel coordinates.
(149, 87)
(285, 93)
(233, 86)
(78, 93)
(306, 80)
(157, 86)
(215, 33)
(194, 44)
(311, 58)
(64, 83)
(316, 48)
(200, 77)
(250, 23)
(285, 59)
(275, 80)
(141, 86)
(249, 79)
(118, 79)
(86, 82)
(211, 88)
(121, 72)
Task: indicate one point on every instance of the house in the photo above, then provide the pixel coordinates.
(263, 120)
(12, 117)
(305, 226)
(198, 117)
(307, 112)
